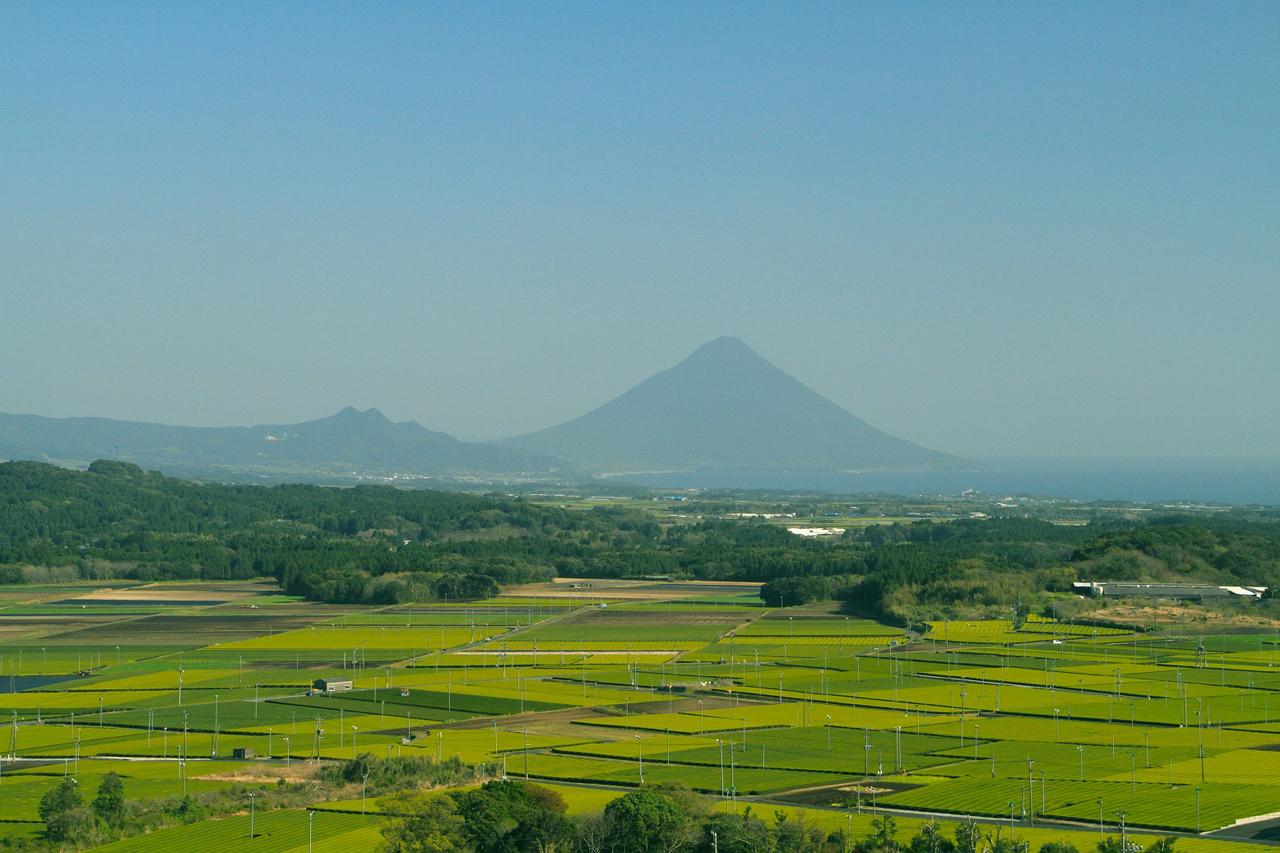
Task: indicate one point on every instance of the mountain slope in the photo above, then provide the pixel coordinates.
(726, 408)
(347, 443)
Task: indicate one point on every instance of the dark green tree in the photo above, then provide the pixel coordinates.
(997, 843)
(786, 592)
(931, 840)
(735, 834)
(504, 816)
(108, 805)
(645, 821)
(794, 836)
(968, 836)
(1058, 847)
(883, 831)
(63, 812)
(422, 822)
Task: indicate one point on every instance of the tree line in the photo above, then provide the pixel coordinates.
(507, 816)
(377, 544)
(435, 807)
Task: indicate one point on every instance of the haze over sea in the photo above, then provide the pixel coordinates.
(1237, 481)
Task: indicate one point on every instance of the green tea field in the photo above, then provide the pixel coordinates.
(231, 715)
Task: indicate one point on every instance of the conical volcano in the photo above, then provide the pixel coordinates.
(726, 408)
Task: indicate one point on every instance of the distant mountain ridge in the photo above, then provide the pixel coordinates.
(723, 408)
(348, 443)
(726, 408)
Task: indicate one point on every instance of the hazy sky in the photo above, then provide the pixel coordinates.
(994, 229)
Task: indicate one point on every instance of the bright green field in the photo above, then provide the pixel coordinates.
(283, 831)
(717, 696)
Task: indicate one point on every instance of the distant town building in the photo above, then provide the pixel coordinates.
(331, 685)
(1182, 591)
(815, 531)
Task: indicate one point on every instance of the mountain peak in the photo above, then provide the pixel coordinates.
(370, 415)
(723, 349)
(724, 343)
(725, 407)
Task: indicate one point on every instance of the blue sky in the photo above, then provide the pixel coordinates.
(991, 228)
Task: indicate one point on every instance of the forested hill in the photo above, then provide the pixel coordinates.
(381, 544)
(333, 543)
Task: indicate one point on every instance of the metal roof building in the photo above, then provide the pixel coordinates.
(1185, 591)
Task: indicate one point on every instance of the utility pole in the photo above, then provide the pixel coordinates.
(720, 744)
(1031, 812)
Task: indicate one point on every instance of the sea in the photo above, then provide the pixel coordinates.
(1174, 481)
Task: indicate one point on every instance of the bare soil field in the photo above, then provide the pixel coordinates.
(638, 590)
(1174, 614)
(171, 593)
(192, 627)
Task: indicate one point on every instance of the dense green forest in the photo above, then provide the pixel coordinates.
(381, 544)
